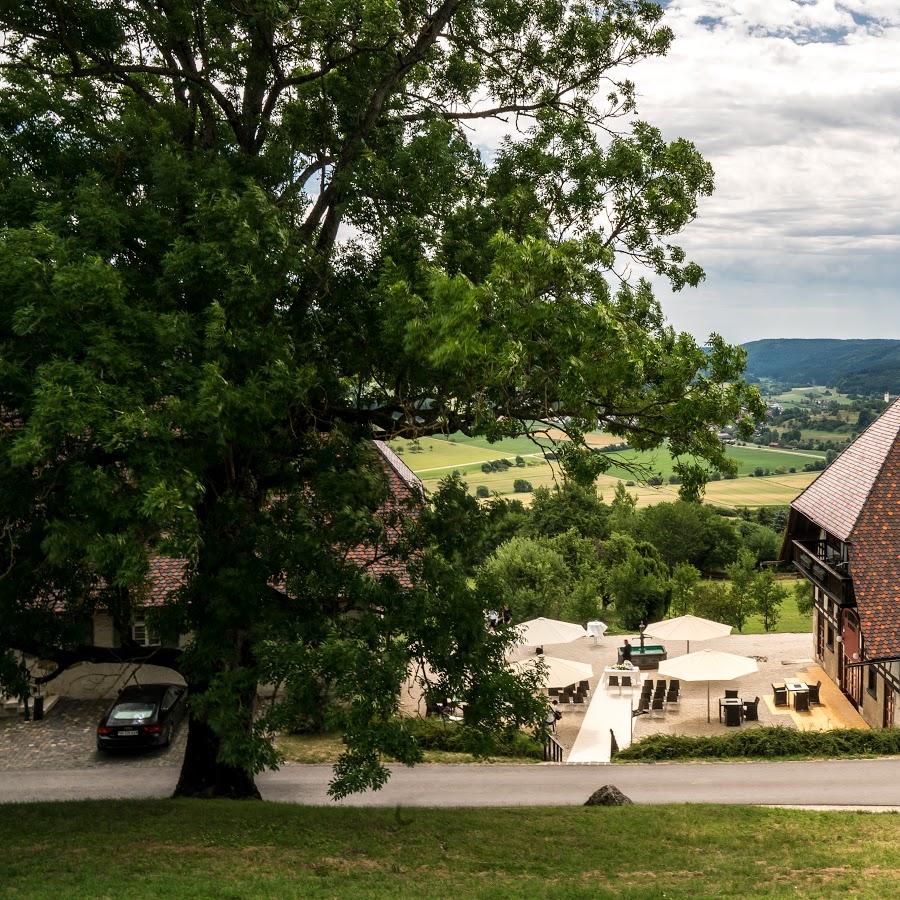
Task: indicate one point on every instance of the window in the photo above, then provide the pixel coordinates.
(872, 684)
(829, 636)
(126, 713)
(141, 635)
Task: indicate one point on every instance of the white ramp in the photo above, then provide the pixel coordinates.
(608, 710)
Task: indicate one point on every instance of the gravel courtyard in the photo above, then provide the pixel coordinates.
(66, 739)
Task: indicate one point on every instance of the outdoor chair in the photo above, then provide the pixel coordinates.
(780, 692)
(814, 692)
(801, 701)
(660, 687)
(647, 689)
(751, 710)
(578, 698)
(672, 695)
(613, 681)
(660, 683)
(553, 692)
(584, 687)
(731, 694)
(658, 703)
(732, 715)
(642, 707)
(626, 681)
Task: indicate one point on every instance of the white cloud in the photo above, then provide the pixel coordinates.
(797, 107)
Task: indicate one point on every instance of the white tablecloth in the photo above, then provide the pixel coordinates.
(633, 674)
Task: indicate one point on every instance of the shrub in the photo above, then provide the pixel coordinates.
(674, 479)
(482, 491)
(434, 733)
(655, 480)
(774, 741)
(759, 472)
(486, 467)
(629, 484)
(520, 462)
(522, 486)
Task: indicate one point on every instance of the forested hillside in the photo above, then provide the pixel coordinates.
(853, 366)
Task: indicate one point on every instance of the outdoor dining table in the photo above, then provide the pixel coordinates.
(796, 687)
(732, 701)
(633, 674)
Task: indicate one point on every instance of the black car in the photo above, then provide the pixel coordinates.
(143, 716)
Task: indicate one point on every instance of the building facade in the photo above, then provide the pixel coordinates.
(844, 536)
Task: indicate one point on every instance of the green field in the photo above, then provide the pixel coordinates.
(807, 396)
(230, 849)
(748, 459)
(818, 434)
(438, 457)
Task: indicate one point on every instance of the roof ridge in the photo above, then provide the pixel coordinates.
(409, 478)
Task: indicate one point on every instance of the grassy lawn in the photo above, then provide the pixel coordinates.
(326, 748)
(791, 620)
(205, 849)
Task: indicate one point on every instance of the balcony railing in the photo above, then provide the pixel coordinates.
(817, 562)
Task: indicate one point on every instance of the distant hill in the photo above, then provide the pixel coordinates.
(853, 366)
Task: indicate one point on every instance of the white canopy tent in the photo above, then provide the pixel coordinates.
(559, 672)
(687, 628)
(540, 631)
(708, 665)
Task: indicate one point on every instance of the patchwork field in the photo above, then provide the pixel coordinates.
(434, 458)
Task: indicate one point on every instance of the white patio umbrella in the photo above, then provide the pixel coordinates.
(560, 672)
(687, 628)
(708, 665)
(540, 631)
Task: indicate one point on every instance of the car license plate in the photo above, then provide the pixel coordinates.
(128, 732)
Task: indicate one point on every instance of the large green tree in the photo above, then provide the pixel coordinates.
(238, 237)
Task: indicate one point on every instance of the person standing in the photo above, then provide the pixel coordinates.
(552, 717)
(626, 652)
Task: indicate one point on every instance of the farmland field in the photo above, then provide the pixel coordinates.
(437, 457)
(806, 396)
(816, 434)
(775, 490)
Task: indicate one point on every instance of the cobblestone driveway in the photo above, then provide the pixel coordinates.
(66, 739)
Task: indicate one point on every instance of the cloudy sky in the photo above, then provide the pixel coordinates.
(796, 103)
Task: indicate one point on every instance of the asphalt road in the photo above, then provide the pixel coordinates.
(851, 783)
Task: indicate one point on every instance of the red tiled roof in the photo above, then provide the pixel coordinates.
(835, 500)
(875, 561)
(167, 575)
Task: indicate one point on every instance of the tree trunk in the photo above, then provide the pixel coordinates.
(203, 775)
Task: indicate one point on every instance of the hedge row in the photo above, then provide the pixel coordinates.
(434, 733)
(776, 741)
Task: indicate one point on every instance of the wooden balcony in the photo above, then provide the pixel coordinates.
(813, 559)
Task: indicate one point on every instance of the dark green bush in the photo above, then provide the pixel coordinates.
(433, 733)
(521, 486)
(482, 491)
(773, 742)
